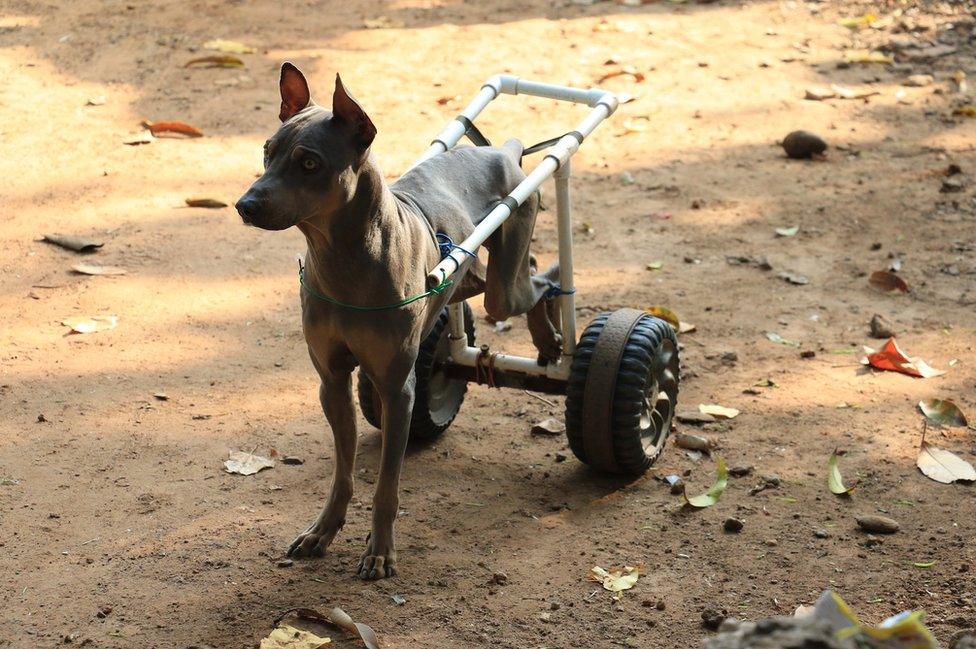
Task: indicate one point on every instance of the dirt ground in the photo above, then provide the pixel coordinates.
(118, 525)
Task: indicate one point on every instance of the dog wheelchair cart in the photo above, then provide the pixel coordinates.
(620, 380)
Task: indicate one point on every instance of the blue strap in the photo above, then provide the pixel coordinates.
(447, 246)
(556, 291)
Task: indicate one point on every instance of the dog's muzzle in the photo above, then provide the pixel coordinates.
(248, 207)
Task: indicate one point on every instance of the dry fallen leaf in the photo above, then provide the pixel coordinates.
(142, 137)
(719, 412)
(890, 357)
(205, 202)
(634, 125)
(233, 47)
(943, 412)
(215, 61)
(943, 466)
(623, 70)
(286, 636)
(694, 442)
(93, 324)
(615, 580)
(887, 281)
(93, 269)
(78, 244)
(338, 618)
(549, 427)
(169, 126)
(246, 463)
(834, 480)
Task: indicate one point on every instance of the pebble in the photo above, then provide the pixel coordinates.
(950, 185)
(284, 563)
(499, 578)
(560, 457)
(712, 618)
(878, 524)
(733, 525)
(821, 534)
(803, 144)
(772, 479)
(103, 611)
(881, 327)
(740, 470)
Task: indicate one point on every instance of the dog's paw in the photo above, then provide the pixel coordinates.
(313, 541)
(377, 564)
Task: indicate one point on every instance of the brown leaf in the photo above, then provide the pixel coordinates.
(205, 202)
(215, 61)
(338, 618)
(887, 281)
(623, 70)
(442, 101)
(181, 128)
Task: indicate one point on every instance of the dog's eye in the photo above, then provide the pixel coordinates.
(310, 164)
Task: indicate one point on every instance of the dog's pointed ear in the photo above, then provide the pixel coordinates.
(294, 91)
(349, 111)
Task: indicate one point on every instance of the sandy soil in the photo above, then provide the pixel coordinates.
(118, 526)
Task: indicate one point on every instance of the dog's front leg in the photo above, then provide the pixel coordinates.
(335, 394)
(379, 559)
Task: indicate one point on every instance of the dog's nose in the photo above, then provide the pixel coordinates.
(247, 207)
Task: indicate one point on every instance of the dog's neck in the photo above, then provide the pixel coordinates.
(344, 245)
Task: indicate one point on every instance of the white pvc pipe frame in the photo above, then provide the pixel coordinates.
(555, 163)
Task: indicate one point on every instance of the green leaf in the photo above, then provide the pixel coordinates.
(943, 412)
(776, 338)
(787, 232)
(834, 479)
(710, 497)
(924, 564)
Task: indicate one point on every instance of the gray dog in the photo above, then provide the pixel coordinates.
(372, 244)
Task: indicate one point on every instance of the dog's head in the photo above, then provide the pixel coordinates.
(312, 163)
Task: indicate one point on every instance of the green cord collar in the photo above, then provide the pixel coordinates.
(437, 290)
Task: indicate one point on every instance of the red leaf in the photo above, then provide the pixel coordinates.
(173, 127)
(893, 359)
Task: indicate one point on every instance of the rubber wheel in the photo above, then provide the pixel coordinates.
(437, 399)
(643, 401)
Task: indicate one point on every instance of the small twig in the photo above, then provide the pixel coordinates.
(542, 399)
